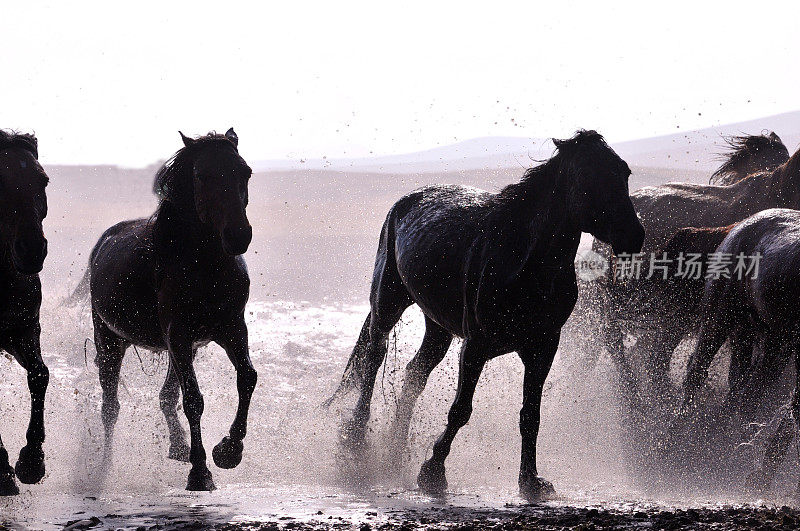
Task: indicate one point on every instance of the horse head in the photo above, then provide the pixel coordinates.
(598, 200)
(210, 177)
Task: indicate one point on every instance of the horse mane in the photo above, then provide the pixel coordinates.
(766, 146)
(536, 176)
(28, 142)
(177, 171)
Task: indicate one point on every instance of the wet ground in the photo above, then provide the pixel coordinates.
(305, 510)
(289, 477)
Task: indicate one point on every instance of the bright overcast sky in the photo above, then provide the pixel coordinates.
(102, 83)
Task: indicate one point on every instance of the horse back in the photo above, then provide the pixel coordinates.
(424, 244)
(668, 208)
(771, 292)
(678, 292)
(696, 240)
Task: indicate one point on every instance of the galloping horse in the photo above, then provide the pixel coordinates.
(496, 269)
(176, 281)
(23, 248)
(764, 304)
(666, 209)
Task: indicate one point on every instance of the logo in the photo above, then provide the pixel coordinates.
(589, 265)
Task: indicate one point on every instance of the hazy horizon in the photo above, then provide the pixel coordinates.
(695, 150)
(103, 84)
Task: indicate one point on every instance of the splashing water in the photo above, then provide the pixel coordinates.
(300, 347)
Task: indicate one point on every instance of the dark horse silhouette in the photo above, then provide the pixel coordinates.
(175, 282)
(668, 208)
(23, 248)
(496, 270)
(766, 302)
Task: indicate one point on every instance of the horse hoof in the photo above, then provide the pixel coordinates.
(8, 487)
(536, 490)
(432, 479)
(30, 466)
(200, 479)
(179, 452)
(228, 453)
(757, 481)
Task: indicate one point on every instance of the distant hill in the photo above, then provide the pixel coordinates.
(695, 150)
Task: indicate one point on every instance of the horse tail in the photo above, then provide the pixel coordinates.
(354, 371)
(81, 291)
(384, 263)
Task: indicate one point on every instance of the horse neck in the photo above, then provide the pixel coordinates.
(787, 181)
(759, 191)
(538, 208)
(180, 229)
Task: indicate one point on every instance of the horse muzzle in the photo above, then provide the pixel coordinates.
(28, 255)
(236, 240)
(629, 241)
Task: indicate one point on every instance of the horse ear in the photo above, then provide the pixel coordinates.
(230, 134)
(774, 137)
(186, 140)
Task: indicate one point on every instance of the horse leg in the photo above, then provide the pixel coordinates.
(26, 349)
(764, 375)
(168, 398)
(712, 336)
(613, 342)
(374, 354)
(537, 360)
(432, 478)
(664, 344)
(772, 362)
(8, 487)
(776, 450)
(742, 342)
(228, 453)
(110, 351)
(796, 397)
(432, 351)
(180, 351)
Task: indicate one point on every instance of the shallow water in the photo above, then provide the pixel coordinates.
(310, 264)
(289, 466)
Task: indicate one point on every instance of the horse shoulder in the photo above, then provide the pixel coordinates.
(494, 261)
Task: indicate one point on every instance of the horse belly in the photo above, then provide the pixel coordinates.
(431, 269)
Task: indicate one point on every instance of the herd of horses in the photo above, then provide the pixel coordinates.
(495, 269)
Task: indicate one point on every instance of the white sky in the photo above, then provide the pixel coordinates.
(100, 83)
